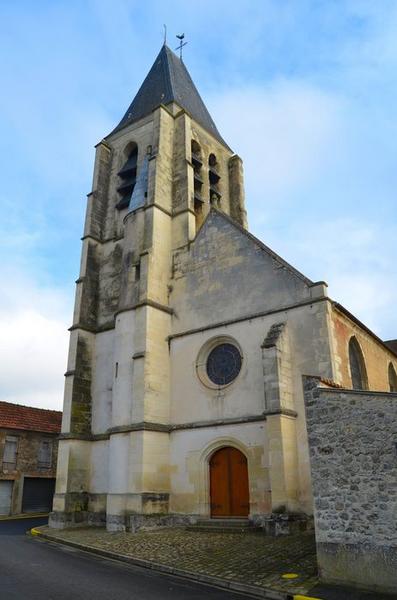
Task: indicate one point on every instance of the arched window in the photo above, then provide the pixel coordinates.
(197, 163)
(392, 378)
(127, 176)
(357, 366)
(214, 177)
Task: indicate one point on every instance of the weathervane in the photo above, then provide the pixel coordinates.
(165, 34)
(181, 44)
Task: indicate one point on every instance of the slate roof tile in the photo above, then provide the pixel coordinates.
(169, 81)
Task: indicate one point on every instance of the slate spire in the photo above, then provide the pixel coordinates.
(169, 81)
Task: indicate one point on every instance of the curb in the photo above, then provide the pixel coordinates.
(255, 592)
(300, 597)
(24, 516)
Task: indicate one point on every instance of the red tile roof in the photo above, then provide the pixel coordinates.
(16, 416)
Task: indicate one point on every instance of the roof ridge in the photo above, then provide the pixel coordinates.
(29, 418)
(166, 67)
(356, 320)
(171, 78)
(267, 249)
(50, 410)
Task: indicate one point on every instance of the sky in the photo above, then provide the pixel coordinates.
(303, 90)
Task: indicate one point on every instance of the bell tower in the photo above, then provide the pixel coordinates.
(156, 177)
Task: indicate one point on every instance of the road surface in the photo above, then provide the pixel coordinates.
(32, 569)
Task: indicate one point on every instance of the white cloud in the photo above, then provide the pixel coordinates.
(283, 132)
(310, 154)
(356, 259)
(33, 351)
(313, 175)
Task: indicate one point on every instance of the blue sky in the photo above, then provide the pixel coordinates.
(304, 90)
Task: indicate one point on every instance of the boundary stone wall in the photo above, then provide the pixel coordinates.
(353, 455)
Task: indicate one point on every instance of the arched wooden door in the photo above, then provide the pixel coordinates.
(229, 483)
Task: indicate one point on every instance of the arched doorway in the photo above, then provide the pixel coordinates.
(229, 495)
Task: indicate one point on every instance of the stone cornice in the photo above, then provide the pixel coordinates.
(89, 236)
(147, 302)
(171, 428)
(109, 326)
(248, 317)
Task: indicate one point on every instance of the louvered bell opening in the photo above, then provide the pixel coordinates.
(197, 188)
(196, 160)
(198, 199)
(214, 191)
(127, 185)
(198, 178)
(213, 176)
(127, 176)
(125, 190)
(124, 202)
(130, 165)
(213, 168)
(198, 203)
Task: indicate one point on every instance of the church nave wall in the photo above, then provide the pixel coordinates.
(377, 357)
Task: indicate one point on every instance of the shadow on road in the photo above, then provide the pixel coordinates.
(20, 526)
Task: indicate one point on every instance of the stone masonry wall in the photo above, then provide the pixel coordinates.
(222, 261)
(353, 453)
(27, 461)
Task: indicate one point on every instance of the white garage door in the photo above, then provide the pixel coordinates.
(5, 497)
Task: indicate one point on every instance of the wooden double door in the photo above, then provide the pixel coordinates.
(229, 493)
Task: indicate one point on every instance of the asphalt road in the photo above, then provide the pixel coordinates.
(32, 569)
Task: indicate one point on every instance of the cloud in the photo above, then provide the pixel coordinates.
(33, 352)
(304, 92)
(359, 270)
(320, 188)
(283, 131)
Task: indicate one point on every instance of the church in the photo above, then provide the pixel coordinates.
(190, 337)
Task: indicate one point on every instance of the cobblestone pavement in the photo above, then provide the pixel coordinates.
(250, 557)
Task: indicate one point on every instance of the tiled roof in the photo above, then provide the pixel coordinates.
(392, 344)
(169, 81)
(16, 416)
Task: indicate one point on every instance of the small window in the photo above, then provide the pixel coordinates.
(392, 378)
(357, 366)
(10, 453)
(45, 454)
(137, 271)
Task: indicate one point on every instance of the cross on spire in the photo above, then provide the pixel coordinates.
(181, 44)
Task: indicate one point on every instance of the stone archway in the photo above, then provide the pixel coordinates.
(229, 490)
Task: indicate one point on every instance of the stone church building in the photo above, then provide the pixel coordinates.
(190, 337)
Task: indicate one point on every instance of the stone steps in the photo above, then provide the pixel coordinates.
(222, 525)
